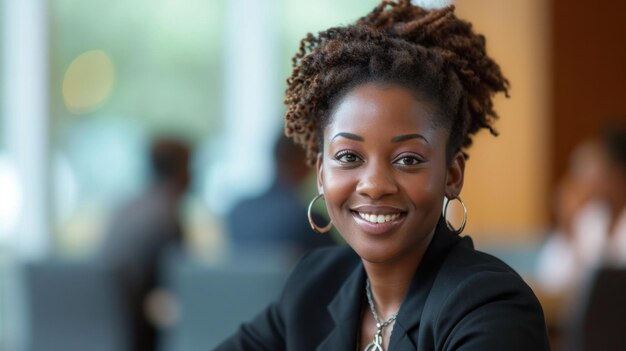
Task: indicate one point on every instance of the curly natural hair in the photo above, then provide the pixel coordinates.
(434, 53)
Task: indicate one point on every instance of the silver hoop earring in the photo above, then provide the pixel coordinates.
(445, 212)
(315, 227)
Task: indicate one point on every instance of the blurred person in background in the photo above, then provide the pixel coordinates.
(590, 208)
(277, 217)
(141, 231)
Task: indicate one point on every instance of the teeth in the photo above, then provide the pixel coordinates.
(373, 218)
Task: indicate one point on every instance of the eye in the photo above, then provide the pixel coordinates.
(408, 160)
(347, 157)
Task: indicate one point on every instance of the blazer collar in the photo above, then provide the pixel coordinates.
(411, 310)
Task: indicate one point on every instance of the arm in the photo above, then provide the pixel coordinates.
(492, 311)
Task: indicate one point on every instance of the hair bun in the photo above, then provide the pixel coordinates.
(412, 42)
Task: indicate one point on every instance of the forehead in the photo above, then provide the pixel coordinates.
(382, 108)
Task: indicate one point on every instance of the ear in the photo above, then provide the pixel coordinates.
(454, 176)
(320, 177)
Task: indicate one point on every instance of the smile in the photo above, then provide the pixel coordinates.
(378, 221)
(379, 218)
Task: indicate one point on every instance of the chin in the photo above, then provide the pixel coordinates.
(377, 252)
(393, 247)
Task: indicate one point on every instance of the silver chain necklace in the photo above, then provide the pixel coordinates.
(377, 343)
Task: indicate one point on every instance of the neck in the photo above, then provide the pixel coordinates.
(390, 281)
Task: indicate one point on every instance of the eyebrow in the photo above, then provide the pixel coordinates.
(405, 137)
(348, 136)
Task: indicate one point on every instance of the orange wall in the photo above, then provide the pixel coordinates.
(506, 177)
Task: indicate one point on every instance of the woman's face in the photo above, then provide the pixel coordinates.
(383, 171)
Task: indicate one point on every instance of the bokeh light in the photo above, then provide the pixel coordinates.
(88, 81)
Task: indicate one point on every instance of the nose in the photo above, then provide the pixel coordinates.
(377, 181)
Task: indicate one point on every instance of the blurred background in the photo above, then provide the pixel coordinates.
(163, 117)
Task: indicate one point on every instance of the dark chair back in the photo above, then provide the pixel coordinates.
(74, 306)
(214, 301)
(603, 318)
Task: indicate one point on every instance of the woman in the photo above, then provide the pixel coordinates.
(591, 215)
(385, 109)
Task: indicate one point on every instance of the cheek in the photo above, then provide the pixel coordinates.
(338, 186)
(425, 190)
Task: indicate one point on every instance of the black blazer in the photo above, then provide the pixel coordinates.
(459, 299)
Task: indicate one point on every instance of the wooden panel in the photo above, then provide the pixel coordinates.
(589, 72)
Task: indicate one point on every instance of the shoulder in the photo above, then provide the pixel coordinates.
(317, 278)
(462, 262)
(312, 285)
(475, 273)
(475, 293)
(328, 266)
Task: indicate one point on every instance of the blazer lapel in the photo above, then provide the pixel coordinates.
(400, 339)
(345, 309)
(411, 310)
